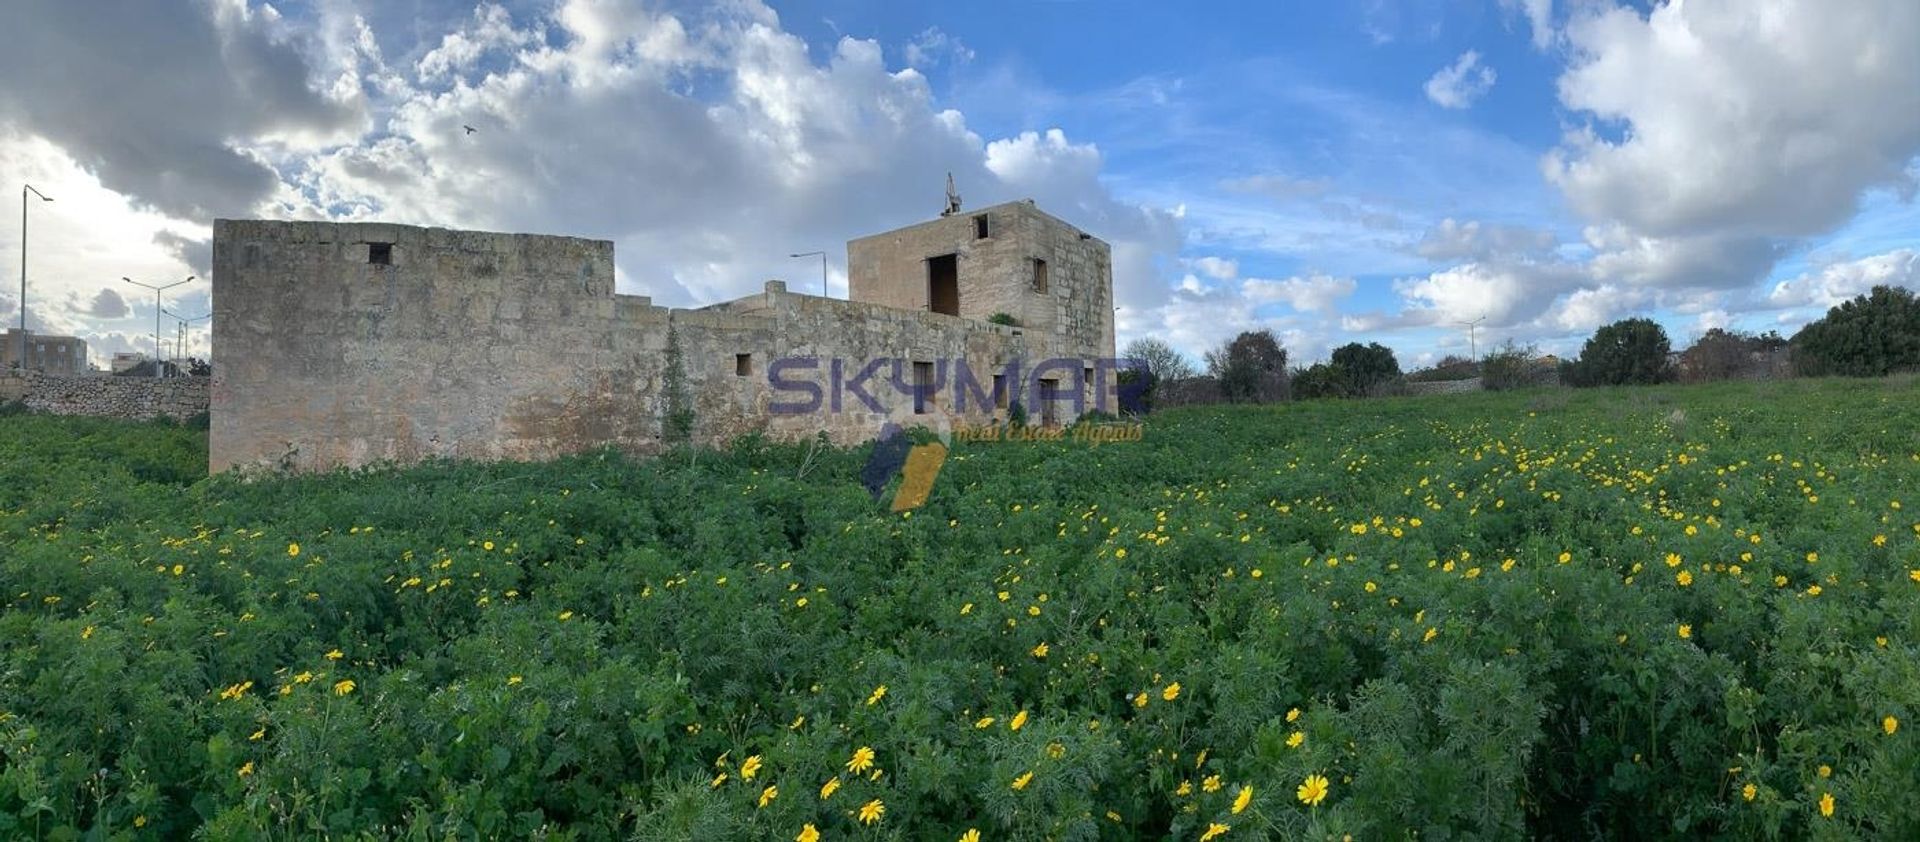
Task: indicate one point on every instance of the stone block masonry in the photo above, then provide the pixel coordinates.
(134, 398)
(348, 344)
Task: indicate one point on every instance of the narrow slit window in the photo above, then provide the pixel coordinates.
(1039, 275)
(999, 391)
(922, 388)
(1088, 381)
(380, 254)
(980, 229)
(742, 364)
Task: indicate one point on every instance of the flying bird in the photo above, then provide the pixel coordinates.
(470, 129)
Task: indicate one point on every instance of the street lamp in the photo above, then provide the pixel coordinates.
(823, 268)
(180, 344)
(156, 315)
(24, 190)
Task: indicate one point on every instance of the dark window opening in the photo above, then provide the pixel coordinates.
(380, 254)
(980, 229)
(1088, 382)
(742, 364)
(1039, 275)
(922, 387)
(999, 391)
(943, 284)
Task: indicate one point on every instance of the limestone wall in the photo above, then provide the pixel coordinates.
(138, 398)
(1444, 387)
(348, 344)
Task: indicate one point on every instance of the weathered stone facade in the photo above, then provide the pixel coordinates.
(43, 352)
(138, 398)
(346, 344)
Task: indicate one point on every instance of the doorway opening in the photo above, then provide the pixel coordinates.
(943, 284)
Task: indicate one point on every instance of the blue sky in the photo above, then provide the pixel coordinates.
(1367, 171)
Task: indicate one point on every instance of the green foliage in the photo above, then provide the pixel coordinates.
(1365, 367)
(1511, 366)
(1004, 319)
(677, 419)
(1465, 612)
(1251, 367)
(1629, 351)
(1321, 380)
(1872, 335)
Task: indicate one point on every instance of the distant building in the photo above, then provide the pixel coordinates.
(44, 352)
(124, 361)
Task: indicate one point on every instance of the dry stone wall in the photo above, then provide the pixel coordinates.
(136, 398)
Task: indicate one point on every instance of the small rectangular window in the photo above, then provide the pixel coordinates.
(999, 391)
(922, 387)
(980, 229)
(380, 254)
(742, 364)
(1039, 275)
(1088, 381)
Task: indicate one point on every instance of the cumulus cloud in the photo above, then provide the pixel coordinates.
(1218, 268)
(1307, 294)
(162, 101)
(1459, 84)
(1836, 282)
(1730, 117)
(107, 304)
(1451, 239)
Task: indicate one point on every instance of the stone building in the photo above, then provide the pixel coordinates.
(44, 353)
(346, 344)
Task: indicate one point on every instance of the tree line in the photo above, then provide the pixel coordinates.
(1870, 336)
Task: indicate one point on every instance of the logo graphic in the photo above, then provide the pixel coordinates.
(917, 464)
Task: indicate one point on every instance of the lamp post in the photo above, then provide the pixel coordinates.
(156, 315)
(180, 344)
(1473, 338)
(24, 190)
(823, 268)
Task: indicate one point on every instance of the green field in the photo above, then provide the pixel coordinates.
(1654, 612)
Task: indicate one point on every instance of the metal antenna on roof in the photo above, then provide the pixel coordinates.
(953, 198)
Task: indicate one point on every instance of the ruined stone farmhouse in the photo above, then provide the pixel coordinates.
(347, 344)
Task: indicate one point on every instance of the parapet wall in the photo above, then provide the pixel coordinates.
(137, 398)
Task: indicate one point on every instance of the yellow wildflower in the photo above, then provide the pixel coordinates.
(871, 811)
(1312, 791)
(1241, 801)
(807, 834)
(862, 760)
(1172, 692)
(878, 693)
(343, 687)
(767, 795)
(1214, 829)
(1890, 725)
(829, 788)
(1019, 721)
(1826, 804)
(1021, 782)
(750, 767)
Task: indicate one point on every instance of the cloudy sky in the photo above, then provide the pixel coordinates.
(1380, 170)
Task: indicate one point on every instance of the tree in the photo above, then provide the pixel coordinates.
(1162, 360)
(1870, 336)
(1722, 355)
(1252, 367)
(1147, 363)
(1321, 380)
(1627, 351)
(1511, 366)
(1365, 367)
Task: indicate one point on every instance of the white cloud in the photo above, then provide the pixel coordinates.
(1280, 188)
(1459, 84)
(1539, 15)
(933, 46)
(708, 143)
(1218, 268)
(1739, 118)
(1455, 240)
(1307, 294)
(1837, 282)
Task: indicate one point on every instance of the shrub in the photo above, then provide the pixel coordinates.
(1252, 367)
(1004, 319)
(1365, 367)
(1872, 335)
(1627, 351)
(1512, 366)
